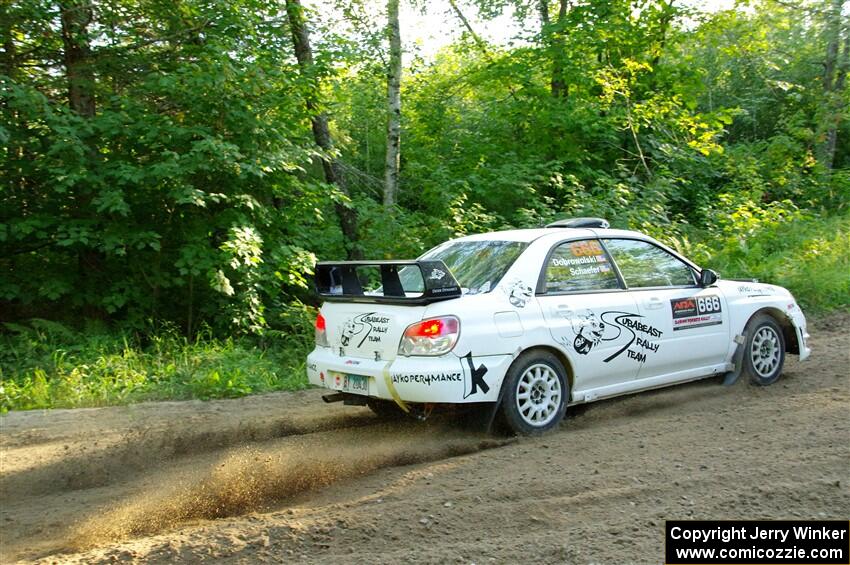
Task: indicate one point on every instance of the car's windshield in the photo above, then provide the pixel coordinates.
(477, 265)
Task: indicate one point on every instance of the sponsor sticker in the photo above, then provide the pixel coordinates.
(696, 312)
(426, 378)
(437, 275)
(751, 290)
(586, 248)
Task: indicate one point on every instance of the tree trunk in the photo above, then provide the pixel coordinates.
(833, 41)
(391, 166)
(668, 12)
(10, 54)
(321, 131)
(76, 16)
(556, 45)
(835, 68)
(841, 77)
(475, 37)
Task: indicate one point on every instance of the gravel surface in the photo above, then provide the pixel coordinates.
(285, 477)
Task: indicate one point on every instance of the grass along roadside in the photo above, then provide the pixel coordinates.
(44, 364)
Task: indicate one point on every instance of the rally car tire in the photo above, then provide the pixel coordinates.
(764, 352)
(535, 393)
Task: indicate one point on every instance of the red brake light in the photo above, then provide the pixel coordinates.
(436, 336)
(321, 335)
(433, 328)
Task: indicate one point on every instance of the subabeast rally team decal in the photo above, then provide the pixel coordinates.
(590, 330)
(696, 312)
(370, 326)
(640, 331)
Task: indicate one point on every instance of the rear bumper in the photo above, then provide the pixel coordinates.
(445, 379)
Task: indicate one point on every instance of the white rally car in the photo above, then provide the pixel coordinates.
(535, 320)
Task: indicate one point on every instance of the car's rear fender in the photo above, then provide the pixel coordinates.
(446, 378)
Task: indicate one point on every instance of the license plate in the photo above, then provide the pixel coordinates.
(350, 383)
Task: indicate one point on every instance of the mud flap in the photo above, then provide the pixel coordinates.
(491, 416)
(391, 387)
(737, 360)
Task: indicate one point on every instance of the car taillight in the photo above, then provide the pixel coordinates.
(321, 334)
(434, 336)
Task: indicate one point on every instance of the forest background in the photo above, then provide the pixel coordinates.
(170, 170)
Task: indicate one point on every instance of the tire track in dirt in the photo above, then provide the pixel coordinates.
(82, 466)
(210, 481)
(258, 476)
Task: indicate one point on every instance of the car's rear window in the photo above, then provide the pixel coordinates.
(477, 265)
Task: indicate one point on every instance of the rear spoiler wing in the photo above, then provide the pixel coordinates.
(338, 281)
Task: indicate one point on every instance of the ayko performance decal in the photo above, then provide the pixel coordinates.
(473, 378)
(590, 330)
(427, 378)
(696, 312)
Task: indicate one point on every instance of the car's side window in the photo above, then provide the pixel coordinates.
(645, 265)
(580, 266)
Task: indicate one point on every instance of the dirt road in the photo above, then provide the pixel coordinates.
(283, 477)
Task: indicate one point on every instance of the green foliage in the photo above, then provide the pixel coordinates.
(146, 208)
(781, 245)
(47, 365)
(185, 190)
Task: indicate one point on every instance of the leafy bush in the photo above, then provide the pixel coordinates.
(781, 245)
(47, 365)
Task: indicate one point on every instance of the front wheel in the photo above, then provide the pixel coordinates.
(765, 350)
(535, 399)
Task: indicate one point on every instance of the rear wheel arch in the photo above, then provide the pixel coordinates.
(535, 392)
(561, 356)
(789, 332)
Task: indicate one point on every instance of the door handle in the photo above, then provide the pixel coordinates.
(653, 303)
(564, 311)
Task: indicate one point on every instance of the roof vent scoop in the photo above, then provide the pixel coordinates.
(580, 223)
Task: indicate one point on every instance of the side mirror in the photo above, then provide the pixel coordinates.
(707, 278)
